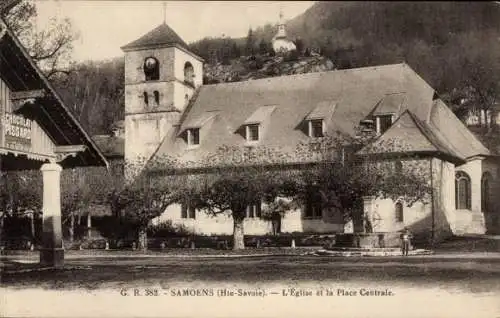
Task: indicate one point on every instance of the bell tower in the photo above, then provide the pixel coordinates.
(161, 76)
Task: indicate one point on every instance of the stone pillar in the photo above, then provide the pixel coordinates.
(89, 225)
(51, 253)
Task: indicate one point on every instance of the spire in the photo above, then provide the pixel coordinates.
(164, 12)
(281, 26)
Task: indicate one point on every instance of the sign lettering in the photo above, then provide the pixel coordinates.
(17, 131)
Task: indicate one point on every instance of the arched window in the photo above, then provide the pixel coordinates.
(151, 69)
(462, 191)
(189, 73)
(157, 97)
(485, 192)
(146, 98)
(399, 211)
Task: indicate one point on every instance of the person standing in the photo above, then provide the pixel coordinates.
(405, 241)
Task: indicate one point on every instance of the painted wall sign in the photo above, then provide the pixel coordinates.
(16, 132)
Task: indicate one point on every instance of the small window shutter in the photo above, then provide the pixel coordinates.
(192, 213)
(184, 211)
(258, 210)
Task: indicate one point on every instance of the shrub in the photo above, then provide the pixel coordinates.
(115, 228)
(167, 229)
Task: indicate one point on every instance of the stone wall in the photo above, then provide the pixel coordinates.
(134, 62)
(144, 133)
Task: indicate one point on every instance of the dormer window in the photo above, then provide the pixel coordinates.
(252, 132)
(256, 126)
(383, 123)
(386, 110)
(151, 69)
(316, 128)
(193, 136)
(196, 127)
(318, 118)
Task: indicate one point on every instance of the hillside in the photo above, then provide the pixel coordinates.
(438, 39)
(261, 66)
(94, 91)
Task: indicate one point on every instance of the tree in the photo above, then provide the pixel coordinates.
(145, 197)
(341, 179)
(94, 91)
(250, 43)
(263, 47)
(50, 48)
(235, 50)
(275, 211)
(475, 88)
(82, 189)
(299, 45)
(20, 195)
(232, 179)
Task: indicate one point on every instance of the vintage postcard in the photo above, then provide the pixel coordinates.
(249, 159)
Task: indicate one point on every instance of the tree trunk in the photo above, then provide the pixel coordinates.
(1, 225)
(89, 225)
(32, 225)
(238, 232)
(142, 239)
(72, 228)
(276, 224)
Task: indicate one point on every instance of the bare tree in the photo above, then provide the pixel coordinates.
(51, 48)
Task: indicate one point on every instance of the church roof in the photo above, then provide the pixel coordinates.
(162, 35)
(350, 94)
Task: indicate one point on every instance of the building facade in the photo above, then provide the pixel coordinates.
(168, 114)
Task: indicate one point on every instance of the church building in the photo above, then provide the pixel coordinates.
(168, 111)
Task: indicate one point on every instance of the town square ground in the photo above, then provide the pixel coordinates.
(416, 286)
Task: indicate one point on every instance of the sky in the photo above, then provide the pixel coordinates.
(105, 26)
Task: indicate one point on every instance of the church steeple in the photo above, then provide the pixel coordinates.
(281, 44)
(281, 34)
(161, 76)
